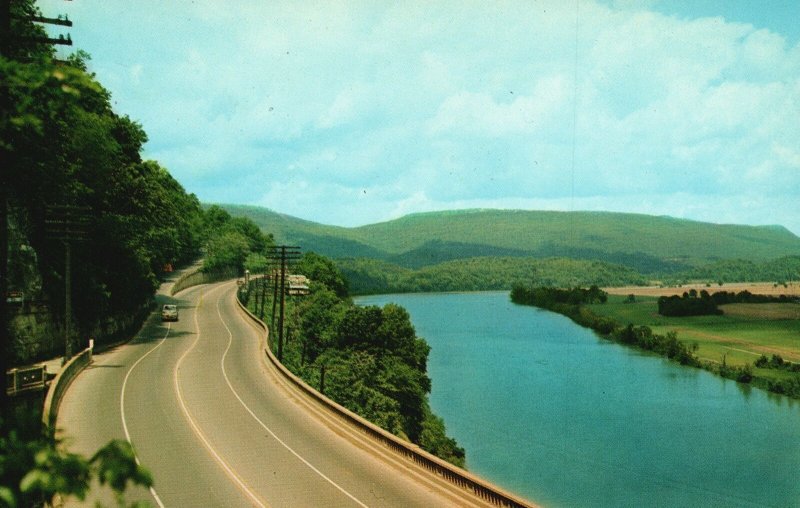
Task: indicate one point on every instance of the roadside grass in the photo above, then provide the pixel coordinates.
(741, 335)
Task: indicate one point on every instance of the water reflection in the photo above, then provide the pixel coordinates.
(745, 389)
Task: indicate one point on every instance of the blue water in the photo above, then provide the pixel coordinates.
(550, 411)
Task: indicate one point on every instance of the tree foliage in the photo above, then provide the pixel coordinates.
(374, 364)
(64, 145)
(233, 242)
(548, 297)
(690, 304)
(34, 467)
(368, 276)
(323, 270)
(783, 269)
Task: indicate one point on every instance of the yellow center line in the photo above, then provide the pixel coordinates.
(263, 425)
(196, 428)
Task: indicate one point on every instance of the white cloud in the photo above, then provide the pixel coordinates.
(480, 114)
(361, 111)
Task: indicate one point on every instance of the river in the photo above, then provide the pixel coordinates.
(549, 410)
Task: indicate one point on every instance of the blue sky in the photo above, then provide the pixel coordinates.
(350, 113)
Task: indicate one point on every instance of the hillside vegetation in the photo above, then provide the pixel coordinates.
(368, 276)
(491, 249)
(368, 359)
(653, 243)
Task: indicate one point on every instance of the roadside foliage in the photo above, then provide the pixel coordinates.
(368, 359)
(72, 174)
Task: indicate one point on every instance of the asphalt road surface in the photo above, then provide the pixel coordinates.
(217, 426)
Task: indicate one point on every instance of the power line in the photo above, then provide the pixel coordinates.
(284, 254)
(7, 40)
(69, 224)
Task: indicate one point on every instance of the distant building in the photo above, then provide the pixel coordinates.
(297, 285)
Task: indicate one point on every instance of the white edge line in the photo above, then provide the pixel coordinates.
(263, 425)
(231, 473)
(122, 408)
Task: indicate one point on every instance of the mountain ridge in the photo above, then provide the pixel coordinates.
(651, 244)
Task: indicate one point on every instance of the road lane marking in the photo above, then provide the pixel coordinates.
(263, 425)
(436, 484)
(122, 407)
(231, 473)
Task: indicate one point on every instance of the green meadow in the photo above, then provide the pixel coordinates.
(740, 335)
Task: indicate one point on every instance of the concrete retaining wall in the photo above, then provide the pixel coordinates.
(198, 276)
(59, 385)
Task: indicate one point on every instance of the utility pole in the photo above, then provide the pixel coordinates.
(263, 282)
(7, 39)
(68, 224)
(274, 278)
(283, 254)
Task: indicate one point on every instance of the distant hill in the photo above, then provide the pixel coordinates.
(648, 244)
(331, 241)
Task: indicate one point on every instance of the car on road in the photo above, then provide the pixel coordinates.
(169, 312)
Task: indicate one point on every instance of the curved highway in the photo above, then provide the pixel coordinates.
(217, 426)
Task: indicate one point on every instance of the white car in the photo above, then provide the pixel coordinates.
(169, 312)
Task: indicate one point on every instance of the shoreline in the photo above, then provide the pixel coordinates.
(669, 346)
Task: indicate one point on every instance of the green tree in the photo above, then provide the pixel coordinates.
(409, 387)
(318, 312)
(358, 326)
(256, 263)
(62, 144)
(231, 240)
(434, 439)
(323, 270)
(34, 467)
(397, 334)
(228, 249)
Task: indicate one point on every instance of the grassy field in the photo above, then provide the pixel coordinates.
(758, 288)
(741, 335)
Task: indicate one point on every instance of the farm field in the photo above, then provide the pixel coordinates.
(741, 335)
(760, 288)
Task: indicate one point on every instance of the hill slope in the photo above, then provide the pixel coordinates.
(573, 233)
(331, 241)
(646, 243)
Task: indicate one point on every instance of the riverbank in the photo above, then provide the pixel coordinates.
(550, 410)
(755, 345)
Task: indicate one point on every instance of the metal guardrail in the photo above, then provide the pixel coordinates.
(455, 475)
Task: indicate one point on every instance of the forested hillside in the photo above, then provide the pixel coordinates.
(74, 193)
(64, 146)
(72, 172)
(492, 249)
(646, 243)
